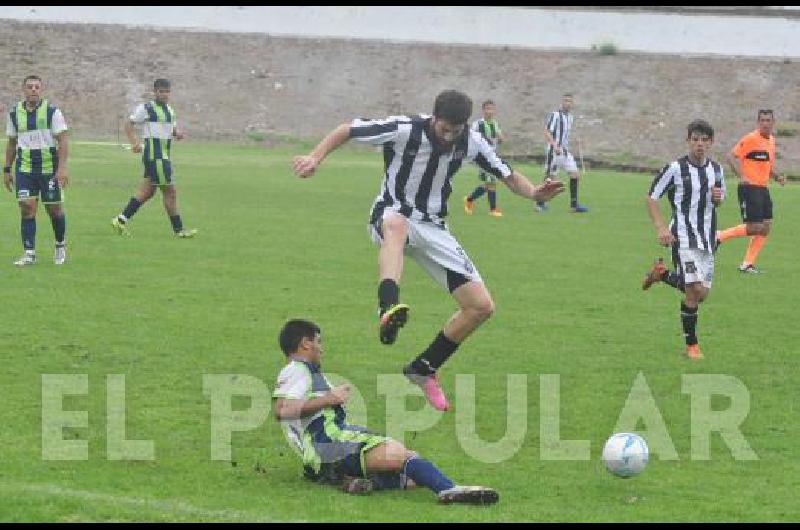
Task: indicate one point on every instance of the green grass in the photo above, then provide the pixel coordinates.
(163, 312)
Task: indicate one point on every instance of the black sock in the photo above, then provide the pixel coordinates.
(388, 294)
(573, 192)
(177, 224)
(131, 208)
(435, 356)
(477, 192)
(59, 228)
(492, 199)
(673, 279)
(28, 231)
(689, 321)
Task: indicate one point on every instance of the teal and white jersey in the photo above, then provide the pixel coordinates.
(296, 381)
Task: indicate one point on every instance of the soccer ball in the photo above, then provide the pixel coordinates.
(625, 454)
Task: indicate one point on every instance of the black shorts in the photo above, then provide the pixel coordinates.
(755, 203)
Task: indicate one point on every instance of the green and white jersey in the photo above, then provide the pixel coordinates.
(489, 129)
(36, 133)
(157, 121)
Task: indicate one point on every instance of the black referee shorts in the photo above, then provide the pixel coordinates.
(755, 203)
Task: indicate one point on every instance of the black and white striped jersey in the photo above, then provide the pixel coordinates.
(418, 175)
(559, 123)
(694, 219)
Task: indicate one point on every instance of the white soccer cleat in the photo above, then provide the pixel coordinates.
(468, 495)
(186, 234)
(29, 258)
(60, 255)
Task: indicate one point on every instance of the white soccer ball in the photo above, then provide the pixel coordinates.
(625, 454)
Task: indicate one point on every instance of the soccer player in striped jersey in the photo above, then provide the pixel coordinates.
(37, 141)
(753, 162)
(333, 451)
(557, 154)
(159, 126)
(695, 185)
(421, 155)
(490, 130)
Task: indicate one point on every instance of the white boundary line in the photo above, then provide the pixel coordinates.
(164, 506)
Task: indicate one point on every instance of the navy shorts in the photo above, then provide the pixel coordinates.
(34, 186)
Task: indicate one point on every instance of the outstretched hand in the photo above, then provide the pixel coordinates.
(549, 189)
(304, 165)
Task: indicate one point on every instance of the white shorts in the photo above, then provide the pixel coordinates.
(563, 161)
(695, 265)
(436, 251)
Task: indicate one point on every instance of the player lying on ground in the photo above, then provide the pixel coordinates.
(315, 422)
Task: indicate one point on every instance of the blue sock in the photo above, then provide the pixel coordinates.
(131, 208)
(177, 224)
(477, 192)
(492, 199)
(28, 231)
(59, 228)
(426, 474)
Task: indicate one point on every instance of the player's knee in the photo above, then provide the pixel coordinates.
(484, 308)
(395, 227)
(26, 209)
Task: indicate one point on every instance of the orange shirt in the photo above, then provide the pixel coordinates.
(757, 155)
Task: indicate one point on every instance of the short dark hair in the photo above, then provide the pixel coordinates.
(160, 83)
(486, 103)
(567, 95)
(453, 106)
(36, 77)
(700, 127)
(293, 332)
(764, 112)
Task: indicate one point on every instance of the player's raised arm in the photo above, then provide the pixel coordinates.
(304, 166)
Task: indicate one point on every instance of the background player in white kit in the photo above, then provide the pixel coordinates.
(557, 153)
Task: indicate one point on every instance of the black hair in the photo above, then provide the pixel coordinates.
(567, 95)
(453, 106)
(487, 102)
(160, 83)
(764, 112)
(700, 127)
(36, 77)
(294, 332)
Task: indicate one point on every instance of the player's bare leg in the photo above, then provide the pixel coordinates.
(393, 315)
(475, 307)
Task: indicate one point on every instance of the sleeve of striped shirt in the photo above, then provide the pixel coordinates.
(483, 154)
(376, 132)
(720, 181)
(294, 382)
(551, 122)
(139, 114)
(663, 181)
(11, 131)
(59, 123)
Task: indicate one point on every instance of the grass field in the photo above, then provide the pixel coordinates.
(164, 312)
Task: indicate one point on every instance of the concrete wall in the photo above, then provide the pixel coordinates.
(574, 29)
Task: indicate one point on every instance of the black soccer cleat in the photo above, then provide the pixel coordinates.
(468, 495)
(391, 321)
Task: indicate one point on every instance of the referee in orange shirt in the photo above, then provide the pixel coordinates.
(753, 161)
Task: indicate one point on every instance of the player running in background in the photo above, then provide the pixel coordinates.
(753, 162)
(159, 126)
(490, 130)
(421, 155)
(314, 420)
(695, 186)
